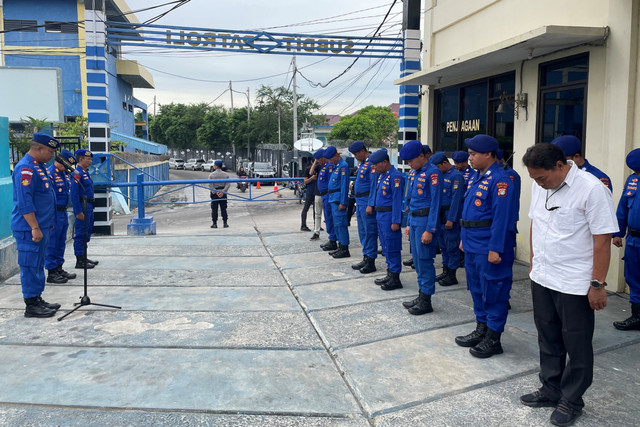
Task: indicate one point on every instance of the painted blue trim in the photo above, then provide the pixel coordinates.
(405, 111)
(410, 65)
(409, 89)
(97, 104)
(96, 51)
(408, 123)
(409, 100)
(96, 78)
(96, 91)
(96, 64)
(98, 117)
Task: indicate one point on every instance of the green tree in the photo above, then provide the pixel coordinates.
(373, 125)
(79, 127)
(176, 125)
(214, 131)
(22, 136)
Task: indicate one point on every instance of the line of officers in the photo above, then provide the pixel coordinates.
(39, 220)
(470, 211)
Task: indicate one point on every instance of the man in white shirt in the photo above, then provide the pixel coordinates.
(572, 220)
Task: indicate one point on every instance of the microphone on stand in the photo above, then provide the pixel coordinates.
(64, 162)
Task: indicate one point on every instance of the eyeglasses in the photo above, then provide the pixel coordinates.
(553, 208)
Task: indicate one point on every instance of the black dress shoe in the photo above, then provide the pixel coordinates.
(564, 415)
(90, 261)
(315, 236)
(214, 225)
(225, 225)
(305, 228)
(538, 400)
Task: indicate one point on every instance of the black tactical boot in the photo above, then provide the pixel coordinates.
(408, 262)
(54, 306)
(474, 337)
(423, 306)
(633, 322)
(409, 304)
(214, 225)
(342, 252)
(443, 274)
(393, 283)
(225, 225)
(35, 309)
(382, 280)
(329, 246)
(369, 267)
(361, 264)
(80, 263)
(90, 261)
(489, 345)
(66, 274)
(54, 277)
(449, 279)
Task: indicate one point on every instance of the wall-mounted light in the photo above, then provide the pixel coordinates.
(515, 103)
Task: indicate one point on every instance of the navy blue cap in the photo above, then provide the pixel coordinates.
(438, 158)
(570, 144)
(356, 146)
(378, 156)
(500, 154)
(83, 152)
(319, 154)
(482, 143)
(45, 139)
(633, 159)
(411, 149)
(329, 152)
(460, 156)
(66, 154)
(218, 163)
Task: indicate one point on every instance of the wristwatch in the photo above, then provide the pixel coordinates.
(596, 284)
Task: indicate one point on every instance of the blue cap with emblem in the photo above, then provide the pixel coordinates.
(412, 149)
(319, 154)
(83, 153)
(570, 144)
(66, 154)
(44, 139)
(378, 156)
(356, 146)
(482, 143)
(438, 158)
(633, 160)
(218, 163)
(500, 154)
(460, 156)
(329, 152)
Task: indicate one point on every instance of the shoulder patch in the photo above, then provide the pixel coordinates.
(502, 188)
(434, 179)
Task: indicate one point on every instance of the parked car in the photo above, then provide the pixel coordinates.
(208, 166)
(194, 164)
(260, 170)
(176, 163)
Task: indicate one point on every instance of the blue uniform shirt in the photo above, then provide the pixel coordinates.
(82, 177)
(363, 179)
(339, 180)
(32, 192)
(489, 197)
(389, 190)
(588, 167)
(517, 185)
(323, 177)
(467, 174)
(426, 193)
(60, 185)
(628, 212)
(453, 189)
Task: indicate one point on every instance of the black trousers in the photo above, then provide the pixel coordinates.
(215, 202)
(565, 326)
(308, 202)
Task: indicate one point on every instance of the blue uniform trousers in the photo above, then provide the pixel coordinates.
(489, 285)
(391, 242)
(57, 242)
(78, 235)
(31, 261)
(423, 255)
(632, 271)
(340, 223)
(367, 229)
(449, 242)
(328, 218)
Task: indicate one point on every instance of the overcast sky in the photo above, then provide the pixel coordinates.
(203, 76)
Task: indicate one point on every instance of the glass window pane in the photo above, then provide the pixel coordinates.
(503, 84)
(566, 71)
(449, 120)
(474, 112)
(563, 114)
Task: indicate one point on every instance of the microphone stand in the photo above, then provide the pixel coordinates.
(84, 299)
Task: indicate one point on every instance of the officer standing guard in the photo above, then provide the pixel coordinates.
(628, 215)
(461, 161)
(323, 186)
(32, 218)
(572, 148)
(338, 193)
(82, 190)
(423, 223)
(387, 203)
(367, 224)
(55, 251)
(410, 177)
(487, 216)
(450, 213)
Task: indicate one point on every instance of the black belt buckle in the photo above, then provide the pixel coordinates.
(361, 194)
(384, 208)
(61, 208)
(420, 212)
(322, 193)
(634, 233)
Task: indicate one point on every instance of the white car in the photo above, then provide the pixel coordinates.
(176, 163)
(194, 164)
(208, 166)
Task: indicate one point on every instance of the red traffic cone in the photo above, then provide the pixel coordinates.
(275, 188)
(258, 185)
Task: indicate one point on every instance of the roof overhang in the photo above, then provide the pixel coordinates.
(134, 74)
(118, 10)
(534, 43)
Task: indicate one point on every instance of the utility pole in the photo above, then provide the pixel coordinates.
(279, 142)
(233, 145)
(295, 103)
(248, 124)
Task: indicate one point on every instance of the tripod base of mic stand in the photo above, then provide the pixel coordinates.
(85, 300)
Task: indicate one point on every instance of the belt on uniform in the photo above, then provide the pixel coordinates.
(322, 193)
(61, 208)
(476, 224)
(333, 191)
(420, 212)
(361, 194)
(384, 208)
(634, 233)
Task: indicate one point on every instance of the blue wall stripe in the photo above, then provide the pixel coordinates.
(409, 100)
(97, 104)
(408, 123)
(96, 91)
(98, 118)
(95, 51)
(96, 78)
(409, 89)
(93, 64)
(408, 111)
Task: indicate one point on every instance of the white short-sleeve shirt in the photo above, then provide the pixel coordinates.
(562, 232)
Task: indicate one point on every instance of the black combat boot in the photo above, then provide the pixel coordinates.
(54, 306)
(80, 262)
(443, 274)
(329, 246)
(225, 225)
(474, 337)
(633, 322)
(66, 274)
(361, 264)
(36, 309)
(408, 262)
(489, 345)
(54, 277)
(369, 267)
(393, 283)
(382, 280)
(409, 304)
(342, 252)
(449, 279)
(423, 306)
(214, 225)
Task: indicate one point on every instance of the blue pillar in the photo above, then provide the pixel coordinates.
(6, 185)
(141, 225)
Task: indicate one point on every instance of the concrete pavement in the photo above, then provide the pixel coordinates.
(255, 325)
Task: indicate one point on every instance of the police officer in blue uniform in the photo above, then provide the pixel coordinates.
(323, 186)
(57, 242)
(450, 213)
(367, 224)
(423, 223)
(387, 203)
(410, 177)
(628, 214)
(338, 193)
(461, 161)
(82, 190)
(487, 217)
(572, 148)
(32, 218)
